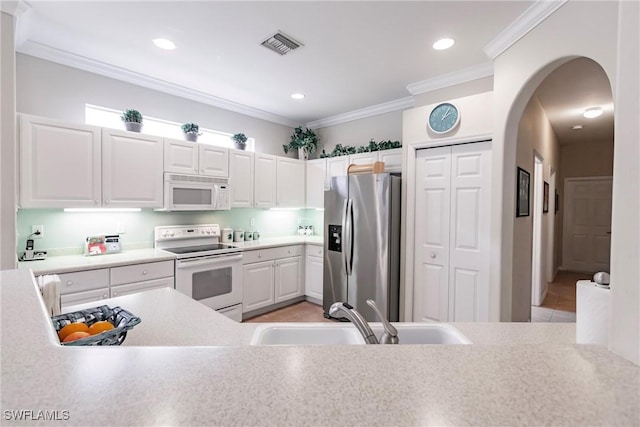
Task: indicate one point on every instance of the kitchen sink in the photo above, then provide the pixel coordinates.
(346, 333)
(306, 334)
(424, 333)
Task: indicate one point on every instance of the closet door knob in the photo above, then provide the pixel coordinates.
(432, 255)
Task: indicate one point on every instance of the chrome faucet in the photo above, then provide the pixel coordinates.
(390, 335)
(356, 318)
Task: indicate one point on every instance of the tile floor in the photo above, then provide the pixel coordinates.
(300, 312)
(560, 303)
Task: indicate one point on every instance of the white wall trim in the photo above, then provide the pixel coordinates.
(15, 8)
(449, 79)
(49, 53)
(530, 18)
(374, 110)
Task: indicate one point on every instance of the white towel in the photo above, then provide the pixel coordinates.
(50, 290)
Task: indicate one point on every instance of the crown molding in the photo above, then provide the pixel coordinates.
(374, 110)
(49, 53)
(456, 77)
(14, 8)
(530, 18)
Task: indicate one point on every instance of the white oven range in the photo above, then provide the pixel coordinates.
(205, 270)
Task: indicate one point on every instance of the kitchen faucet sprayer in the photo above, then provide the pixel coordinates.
(356, 318)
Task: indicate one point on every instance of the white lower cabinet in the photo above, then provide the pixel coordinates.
(258, 290)
(94, 285)
(134, 288)
(93, 295)
(313, 270)
(271, 276)
(289, 278)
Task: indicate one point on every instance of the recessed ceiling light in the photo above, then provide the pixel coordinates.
(593, 112)
(576, 127)
(164, 44)
(297, 95)
(443, 44)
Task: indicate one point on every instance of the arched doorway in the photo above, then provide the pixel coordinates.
(554, 140)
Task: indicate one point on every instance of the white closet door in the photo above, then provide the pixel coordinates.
(453, 193)
(587, 224)
(469, 232)
(433, 189)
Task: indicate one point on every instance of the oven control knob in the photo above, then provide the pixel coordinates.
(171, 234)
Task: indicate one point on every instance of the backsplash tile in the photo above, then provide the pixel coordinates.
(65, 231)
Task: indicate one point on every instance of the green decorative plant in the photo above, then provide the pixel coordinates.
(345, 150)
(131, 116)
(240, 140)
(305, 139)
(191, 128)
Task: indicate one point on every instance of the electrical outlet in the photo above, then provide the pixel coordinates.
(252, 223)
(35, 229)
(120, 228)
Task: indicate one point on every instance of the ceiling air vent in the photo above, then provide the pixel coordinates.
(281, 44)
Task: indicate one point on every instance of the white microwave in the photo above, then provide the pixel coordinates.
(195, 193)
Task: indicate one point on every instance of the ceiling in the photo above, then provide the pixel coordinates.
(355, 54)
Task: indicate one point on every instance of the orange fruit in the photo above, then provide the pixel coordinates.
(76, 336)
(71, 328)
(101, 326)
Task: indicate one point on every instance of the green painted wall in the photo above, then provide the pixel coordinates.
(64, 232)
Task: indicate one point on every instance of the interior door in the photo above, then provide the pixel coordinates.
(587, 224)
(453, 193)
(431, 267)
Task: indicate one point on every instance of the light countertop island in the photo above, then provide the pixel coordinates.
(201, 372)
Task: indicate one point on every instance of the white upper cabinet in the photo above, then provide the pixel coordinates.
(265, 180)
(193, 158)
(214, 160)
(290, 183)
(132, 169)
(316, 171)
(180, 156)
(241, 178)
(60, 164)
(392, 159)
(337, 166)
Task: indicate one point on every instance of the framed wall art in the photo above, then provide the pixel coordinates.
(523, 180)
(545, 200)
(557, 201)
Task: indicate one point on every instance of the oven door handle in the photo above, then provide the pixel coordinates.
(188, 263)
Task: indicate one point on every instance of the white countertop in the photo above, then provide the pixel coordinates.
(513, 374)
(71, 263)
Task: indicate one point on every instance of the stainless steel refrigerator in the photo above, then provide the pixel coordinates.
(362, 243)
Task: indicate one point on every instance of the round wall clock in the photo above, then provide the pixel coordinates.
(443, 118)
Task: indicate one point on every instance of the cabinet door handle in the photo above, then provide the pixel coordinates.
(105, 296)
(97, 202)
(115, 294)
(69, 283)
(432, 255)
(144, 272)
(259, 256)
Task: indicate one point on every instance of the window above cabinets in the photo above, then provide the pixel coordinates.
(110, 118)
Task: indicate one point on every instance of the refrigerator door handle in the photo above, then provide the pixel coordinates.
(348, 236)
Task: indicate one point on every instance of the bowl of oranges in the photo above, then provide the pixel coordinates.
(94, 326)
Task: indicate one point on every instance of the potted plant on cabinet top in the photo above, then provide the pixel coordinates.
(305, 141)
(239, 140)
(191, 131)
(132, 120)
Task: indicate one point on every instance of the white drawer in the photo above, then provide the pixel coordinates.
(260, 255)
(84, 280)
(84, 297)
(314, 250)
(141, 272)
(133, 288)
